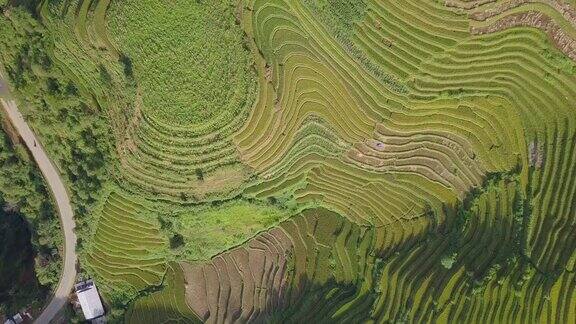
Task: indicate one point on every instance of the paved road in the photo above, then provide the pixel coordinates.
(58, 189)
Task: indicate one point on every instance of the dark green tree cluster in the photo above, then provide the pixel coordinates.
(19, 286)
(29, 231)
(70, 124)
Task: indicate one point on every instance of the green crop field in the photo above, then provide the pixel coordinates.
(126, 247)
(165, 306)
(184, 77)
(369, 161)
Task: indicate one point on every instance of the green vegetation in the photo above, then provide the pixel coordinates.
(174, 103)
(448, 260)
(19, 286)
(340, 18)
(30, 236)
(210, 232)
(135, 239)
(127, 251)
(195, 70)
(339, 15)
(166, 305)
(71, 127)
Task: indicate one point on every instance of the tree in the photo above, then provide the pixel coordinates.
(447, 261)
(127, 64)
(176, 241)
(273, 200)
(105, 75)
(199, 174)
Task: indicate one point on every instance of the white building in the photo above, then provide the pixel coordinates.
(90, 300)
(16, 319)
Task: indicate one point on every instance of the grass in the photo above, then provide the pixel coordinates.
(220, 228)
(188, 59)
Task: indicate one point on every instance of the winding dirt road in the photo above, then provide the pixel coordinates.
(68, 276)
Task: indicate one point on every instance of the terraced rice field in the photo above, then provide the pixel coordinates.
(337, 272)
(345, 161)
(166, 305)
(126, 249)
(191, 97)
(245, 284)
(171, 147)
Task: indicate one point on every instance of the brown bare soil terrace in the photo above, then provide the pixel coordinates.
(245, 284)
(507, 18)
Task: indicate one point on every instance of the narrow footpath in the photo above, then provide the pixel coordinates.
(56, 185)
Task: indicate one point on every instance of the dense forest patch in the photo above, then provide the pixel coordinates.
(30, 238)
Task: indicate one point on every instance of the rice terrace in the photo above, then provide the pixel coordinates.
(288, 161)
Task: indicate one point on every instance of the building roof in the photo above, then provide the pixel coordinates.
(89, 299)
(16, 319)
